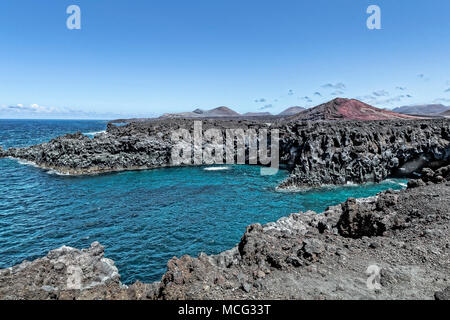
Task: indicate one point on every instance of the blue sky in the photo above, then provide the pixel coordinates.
(149, 57)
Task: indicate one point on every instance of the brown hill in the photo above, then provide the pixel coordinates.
(291, 111)
(222, 112)
(348, 109)
(199, 113)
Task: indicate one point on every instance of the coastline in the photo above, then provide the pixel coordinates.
(322, 256)
(315, 153)
(224, 159)
(79, 173)
(314, 253)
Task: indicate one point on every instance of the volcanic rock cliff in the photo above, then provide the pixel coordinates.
(358, 152)
(316, 153)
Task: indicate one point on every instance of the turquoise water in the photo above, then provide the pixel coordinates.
(142, 218)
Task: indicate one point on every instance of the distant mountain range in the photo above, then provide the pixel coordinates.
(227, 112)
(257, 114)
(337, 109)
(199, 113)
(424, 109)
(348, 109)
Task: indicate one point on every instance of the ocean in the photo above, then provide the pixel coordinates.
(143, 218)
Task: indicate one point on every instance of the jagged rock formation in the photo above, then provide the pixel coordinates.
(317, 153)
(404, 234)
(443, 295)
(68, 273)
(359, 152)
(429, 176)
(78, 154)
(139, 145)
(325, 256)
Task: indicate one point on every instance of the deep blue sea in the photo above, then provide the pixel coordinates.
(142, 218)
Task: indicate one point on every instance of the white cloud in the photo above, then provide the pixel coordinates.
(381, 93)
(423, 77)
(35, 110)
(337, 86)
(337, 93)
(382, 101)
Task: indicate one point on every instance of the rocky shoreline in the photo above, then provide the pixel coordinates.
(304, 256)
(316, 153)
(403, 234)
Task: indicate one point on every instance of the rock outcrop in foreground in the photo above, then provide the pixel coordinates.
(67, 273)
(403, 234)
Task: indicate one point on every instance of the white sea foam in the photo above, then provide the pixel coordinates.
(27, 163)
(216, 168)
(396, 182)
(33, 164)
(94, 133)
(56, 173)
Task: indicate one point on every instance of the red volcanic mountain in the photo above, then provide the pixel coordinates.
(348, 109)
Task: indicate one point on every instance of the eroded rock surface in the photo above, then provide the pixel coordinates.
(404, 234)
(316, 153)
(429, 176)
(68, 273)
(326, 256)
(358, 152)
